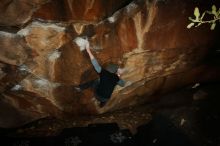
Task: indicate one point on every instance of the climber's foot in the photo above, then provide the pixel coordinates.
(78, 89)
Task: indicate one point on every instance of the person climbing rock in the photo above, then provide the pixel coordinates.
(105, 84)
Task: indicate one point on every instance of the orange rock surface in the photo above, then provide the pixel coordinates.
(40, 63)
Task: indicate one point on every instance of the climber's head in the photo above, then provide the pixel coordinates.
(114, 68)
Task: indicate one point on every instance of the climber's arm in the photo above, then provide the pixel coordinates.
(121, 83)
(93, 60)
(90, 53)
(96, 65)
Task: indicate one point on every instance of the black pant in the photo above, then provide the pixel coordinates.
(93, 84)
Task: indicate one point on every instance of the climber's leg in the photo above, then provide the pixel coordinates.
(90, 84)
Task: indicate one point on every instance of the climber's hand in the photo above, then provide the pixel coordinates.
(87, 45)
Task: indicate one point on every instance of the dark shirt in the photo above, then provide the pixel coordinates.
(108, 81)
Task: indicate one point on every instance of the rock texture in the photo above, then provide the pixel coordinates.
(40, 63)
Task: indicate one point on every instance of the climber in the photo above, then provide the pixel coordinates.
(108, 79)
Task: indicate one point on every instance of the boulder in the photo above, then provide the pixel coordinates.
(148, 39)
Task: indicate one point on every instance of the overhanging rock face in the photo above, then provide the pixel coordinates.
(40, 63)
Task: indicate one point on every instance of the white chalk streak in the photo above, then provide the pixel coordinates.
(82, 43)
(7, 34)
(26, 30)
(131, 7)
(16, 87)
(54, 55)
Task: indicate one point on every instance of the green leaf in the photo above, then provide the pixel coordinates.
(218, 12)
(214, 10)
(198, 24)
(190, 25)
(196, 13)
(190, 18)
(213, 26)
(193, 20)
(203, 14)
